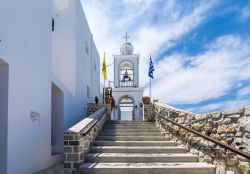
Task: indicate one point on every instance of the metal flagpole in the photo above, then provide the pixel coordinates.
(104, 91)
(150, 79)
(150, 88)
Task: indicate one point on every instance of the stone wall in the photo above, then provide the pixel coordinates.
(93, 107)
(76, 145)
(148, 114)
(231, 127)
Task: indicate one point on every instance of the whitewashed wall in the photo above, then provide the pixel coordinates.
(37, 57)
(25, 31)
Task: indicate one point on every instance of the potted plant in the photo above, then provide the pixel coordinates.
(146, 100)
(108, 100)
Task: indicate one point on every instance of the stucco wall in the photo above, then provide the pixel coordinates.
(37, 57)
(25, 31)
(74, 55)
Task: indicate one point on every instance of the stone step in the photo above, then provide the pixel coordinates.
(130, 130)
(135, 143)
(138, 149)
(130, 127)
(132, 123)
(147, 168)
(130, 133)
(129, 122)
(140, 157)
(133, 138)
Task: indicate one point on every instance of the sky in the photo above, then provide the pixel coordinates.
(200, 49)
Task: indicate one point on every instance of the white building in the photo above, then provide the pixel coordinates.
(46, 79)
(126, 92)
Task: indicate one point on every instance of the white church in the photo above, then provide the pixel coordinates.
(49, 70)
(126, 90)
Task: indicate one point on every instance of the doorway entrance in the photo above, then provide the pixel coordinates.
(126, 110)
(57, 120)
(4, 90)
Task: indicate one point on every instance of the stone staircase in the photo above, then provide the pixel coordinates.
(127, 147)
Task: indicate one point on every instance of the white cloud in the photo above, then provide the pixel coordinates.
(133, 1)
(153, 28)
(243, 92)
(220, 106)
(208, 75)
(245, 12)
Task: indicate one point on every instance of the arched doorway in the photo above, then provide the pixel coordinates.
(126, 108)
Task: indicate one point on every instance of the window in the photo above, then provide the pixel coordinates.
(53, 24)
(87, 48)
(88, 91)
(95, 66)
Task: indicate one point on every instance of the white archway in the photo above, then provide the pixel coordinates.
(126, 108)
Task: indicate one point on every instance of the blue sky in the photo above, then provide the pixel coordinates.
(201, 49)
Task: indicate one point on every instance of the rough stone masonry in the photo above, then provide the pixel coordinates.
(231, 127)
(77, 144)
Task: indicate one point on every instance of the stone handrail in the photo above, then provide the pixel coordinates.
(78, 138)
(229, 127)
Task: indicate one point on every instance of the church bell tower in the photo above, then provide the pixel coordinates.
(126, 92)
(126, 67)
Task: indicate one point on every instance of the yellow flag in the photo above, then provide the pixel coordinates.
(104, 73)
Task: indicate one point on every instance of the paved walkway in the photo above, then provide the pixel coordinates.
(56, 169)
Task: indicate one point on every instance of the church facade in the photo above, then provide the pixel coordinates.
(126, 92)
(49, 70)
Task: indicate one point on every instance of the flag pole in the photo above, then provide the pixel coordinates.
(150, 83)
(150, 87)
(104, 91)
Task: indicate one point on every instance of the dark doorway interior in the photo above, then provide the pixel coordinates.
(57, 120)
(4, 90)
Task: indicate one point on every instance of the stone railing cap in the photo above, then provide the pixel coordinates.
(85, 123)
(171, 107)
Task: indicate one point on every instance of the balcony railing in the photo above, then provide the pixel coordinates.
(127, 84)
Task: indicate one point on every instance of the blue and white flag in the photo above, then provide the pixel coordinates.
(151, 69)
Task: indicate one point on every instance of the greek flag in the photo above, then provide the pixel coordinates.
(151, 69)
